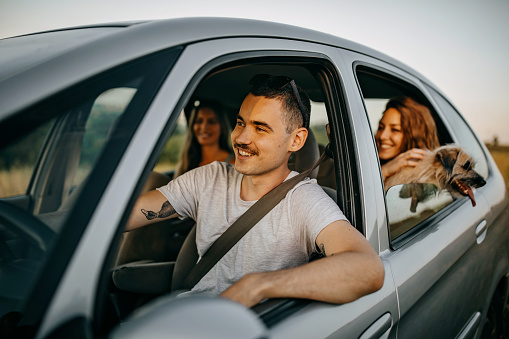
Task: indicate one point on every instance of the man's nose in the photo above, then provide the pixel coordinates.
(243, 136)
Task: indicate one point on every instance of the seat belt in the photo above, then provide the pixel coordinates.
(244, 223)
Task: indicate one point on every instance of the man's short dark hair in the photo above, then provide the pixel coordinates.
(279, 87)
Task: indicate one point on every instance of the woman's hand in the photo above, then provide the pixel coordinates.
(409, 158)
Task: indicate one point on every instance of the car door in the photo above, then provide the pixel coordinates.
(437, 262)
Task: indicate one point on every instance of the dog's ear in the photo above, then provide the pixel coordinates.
(448, 157)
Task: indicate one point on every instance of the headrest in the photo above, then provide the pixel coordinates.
(306, 157)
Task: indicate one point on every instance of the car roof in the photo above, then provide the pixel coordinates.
(63, 57)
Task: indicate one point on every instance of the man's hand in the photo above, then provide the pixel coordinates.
(247, 290)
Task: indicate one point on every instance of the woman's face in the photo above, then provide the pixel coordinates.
(206, 127)
(389, 137)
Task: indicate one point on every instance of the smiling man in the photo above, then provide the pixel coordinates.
(271, 260)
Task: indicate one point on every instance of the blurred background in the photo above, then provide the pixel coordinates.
(462, 46)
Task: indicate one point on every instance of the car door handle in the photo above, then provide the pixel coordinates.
(378, 328)
(481, 230)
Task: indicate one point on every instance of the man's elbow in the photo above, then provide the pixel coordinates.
(376, 275)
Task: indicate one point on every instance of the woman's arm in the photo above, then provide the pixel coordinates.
(409, 158)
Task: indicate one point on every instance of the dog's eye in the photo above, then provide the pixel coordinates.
(466, 165)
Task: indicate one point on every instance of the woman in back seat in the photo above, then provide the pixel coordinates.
(405, 133)
(208, 138)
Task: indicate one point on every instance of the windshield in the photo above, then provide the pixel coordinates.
(52, 153)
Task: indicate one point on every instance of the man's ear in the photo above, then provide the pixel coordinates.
(299, 137)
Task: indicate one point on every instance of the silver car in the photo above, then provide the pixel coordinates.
(91, 117)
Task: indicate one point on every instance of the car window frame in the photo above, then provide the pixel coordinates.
(341, 129)
(418, 85)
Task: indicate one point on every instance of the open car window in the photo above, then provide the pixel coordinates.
(408, 205)
(159, 244)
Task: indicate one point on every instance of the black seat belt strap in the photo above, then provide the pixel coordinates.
(243, 224)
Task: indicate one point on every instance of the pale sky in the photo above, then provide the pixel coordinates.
(462, 46)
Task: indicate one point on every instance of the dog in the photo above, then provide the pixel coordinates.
(448, 167)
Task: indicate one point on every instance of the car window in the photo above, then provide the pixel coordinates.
(53, 152)
(18, 161)
(104, 114)
(172, 150)
(77, 137)
(163, 241)
(408, 205)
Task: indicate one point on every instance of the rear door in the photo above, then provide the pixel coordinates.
(437, 256)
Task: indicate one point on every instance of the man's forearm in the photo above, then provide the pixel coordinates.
(340, 278)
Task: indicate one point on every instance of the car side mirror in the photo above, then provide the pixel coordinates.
(191, 317)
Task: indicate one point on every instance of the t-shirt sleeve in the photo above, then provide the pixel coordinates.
(185, 191)
(313, 210)
(181, 193)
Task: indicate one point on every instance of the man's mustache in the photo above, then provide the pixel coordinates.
(244, 148)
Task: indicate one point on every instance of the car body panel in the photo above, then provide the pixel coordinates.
(321, 320)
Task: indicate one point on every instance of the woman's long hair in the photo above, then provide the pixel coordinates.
(417, 124)
(191, 154)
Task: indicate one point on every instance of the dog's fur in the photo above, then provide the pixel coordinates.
(448, 167)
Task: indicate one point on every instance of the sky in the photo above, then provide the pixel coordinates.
(462, 46)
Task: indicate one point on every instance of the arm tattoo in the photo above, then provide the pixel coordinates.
(166, 211)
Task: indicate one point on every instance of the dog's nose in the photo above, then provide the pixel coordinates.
(479, 182)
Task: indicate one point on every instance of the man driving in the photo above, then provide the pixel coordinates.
(271, 260)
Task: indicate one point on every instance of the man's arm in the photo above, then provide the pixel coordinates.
(150, 207)
(350, 270)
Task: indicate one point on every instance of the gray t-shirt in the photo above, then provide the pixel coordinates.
(284, 238)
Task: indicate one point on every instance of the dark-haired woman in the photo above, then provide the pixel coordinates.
(207, 139)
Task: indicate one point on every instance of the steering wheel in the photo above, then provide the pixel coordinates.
(28, 227)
